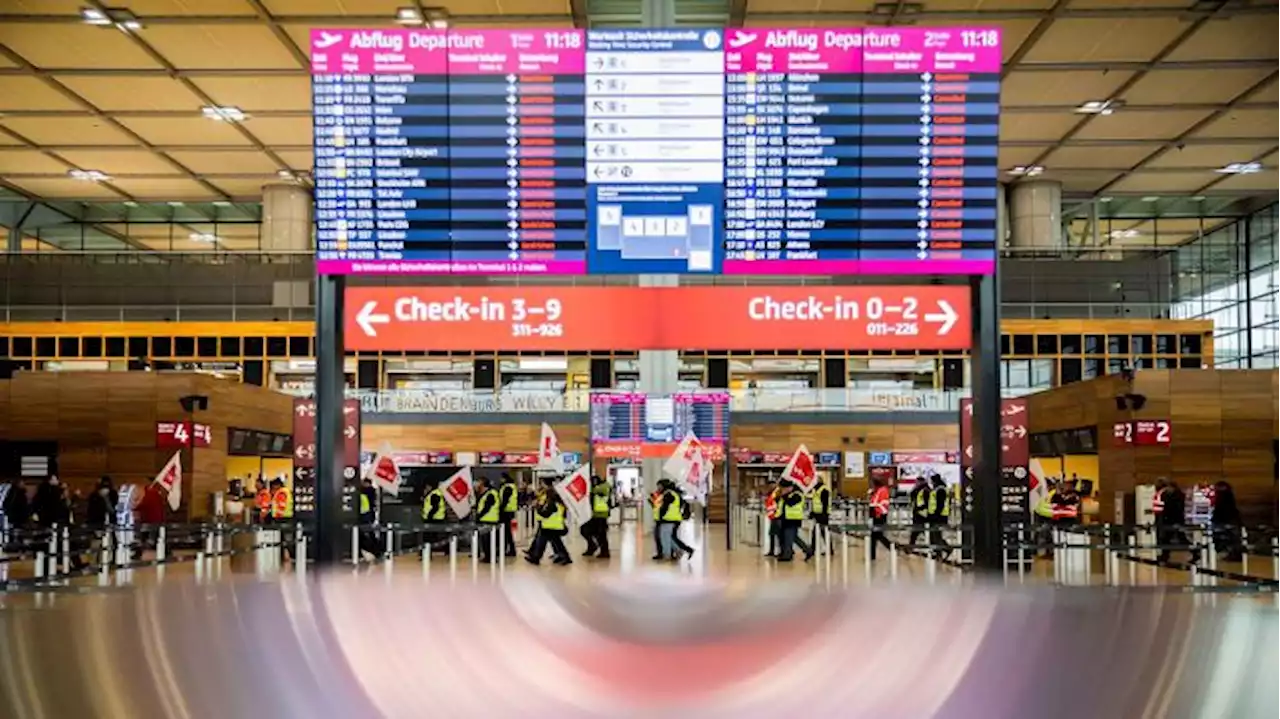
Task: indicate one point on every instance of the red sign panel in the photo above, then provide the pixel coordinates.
(518, 459)
(600, 318)
(175, 435)
(422, 459)
(924, 458)
(1122, 434)
(636, 451)
(1151, 432)
(304, 432)
(1015, 443)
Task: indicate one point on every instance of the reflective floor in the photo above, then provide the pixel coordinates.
(726, 634)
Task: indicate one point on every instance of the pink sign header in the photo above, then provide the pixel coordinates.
(410, 51)
(867, 50)
(792, 50)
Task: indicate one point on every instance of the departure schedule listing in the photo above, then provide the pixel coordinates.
(449, 151)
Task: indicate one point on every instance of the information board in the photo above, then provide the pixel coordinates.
(617, 417)
(706, 414)
(744, 151)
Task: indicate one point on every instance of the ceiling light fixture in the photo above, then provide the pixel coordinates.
(437, 18)
(1123, 234)
(175, 203)
(94, 16)
(1100, 107)
(90, 175)
(204, 237)
(408, 16)
(222, 113)
(121, 18)
(1151, 198)
(1240, 168)
(221, 203)
(286, 175)
(1027, 170)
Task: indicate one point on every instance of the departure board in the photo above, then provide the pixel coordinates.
(706, 414)
(688, 151)
(617, 417)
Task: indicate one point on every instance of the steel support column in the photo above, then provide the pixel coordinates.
(330, 387)
(985, 376)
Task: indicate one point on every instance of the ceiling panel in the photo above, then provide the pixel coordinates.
(165, 188)
(67, 130)
(1014, 156)
(1265, 181)
(30, 162)
(1236, 38)
(1098, 157)
(43, 7)
(1244, 123)
(1096, 39)
(189, 7)
(220, 46)
(1035, 126)
(65, 187)
(244, 187)
(1186, 86)
(262, 93)
(31, 93)
(246, 162)
(1059, 88)
(120, 162)
(386, 8)
(1084, 181)
(282, 130)
(134, 93)
(184, 131)
(73, 45)
(1170, 182)
(298, 160)
(1141, 125)
(1210, 156)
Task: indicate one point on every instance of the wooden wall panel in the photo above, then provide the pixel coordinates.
(470, 437)
(105, 423)
(865, 438)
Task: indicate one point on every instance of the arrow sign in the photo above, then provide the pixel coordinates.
(368, 318)
(945, 318)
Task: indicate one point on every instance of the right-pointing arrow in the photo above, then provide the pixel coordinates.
(947, 317)
(368, 317)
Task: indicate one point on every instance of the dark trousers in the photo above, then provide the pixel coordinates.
(789, 538)
(917, 528)
(877, 535)
(938, 545)
(821, 535)
(1226, 540)
(540, 542)
(677, 542)
(596, 532)
(507, 536)
(369, 542)
(1170, 537)
(488, 540)
(775, 535)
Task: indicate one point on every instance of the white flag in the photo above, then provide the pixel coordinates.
(170, 480)
(677, 465)
(801, 470)
(549, 450)
(575, 490)
(698, 479)
(459, 492)
(384, 472)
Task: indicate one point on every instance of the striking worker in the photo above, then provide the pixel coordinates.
(1066, 505)
(1043, 512)
(879, 505)
(434, 515)
(368, 517)
(551, 515)
(596, 529)
(668, 516)
(919, 500)
(655, 502)
(262, 501)
(771, 498)
(509, 495)
(281, 502)
(820, 511)
(488, 517)
(791, 509)
(1170, 522)
(939, 517)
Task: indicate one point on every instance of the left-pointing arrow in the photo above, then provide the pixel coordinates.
(368, 318)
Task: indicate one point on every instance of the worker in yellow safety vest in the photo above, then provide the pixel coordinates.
(281, 502)
(596, 529)
(509, 496)
(791, 509)
(772, 494)
(670, 513)
(939, 517)
(919, 500)
(552, 517)
(488, 515)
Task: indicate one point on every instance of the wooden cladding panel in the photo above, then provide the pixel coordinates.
(470, 437)
(846, 437)
(105, 423)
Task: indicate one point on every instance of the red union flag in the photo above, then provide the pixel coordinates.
(170, 480)
(458, 492)
(575, 490)
(677, 465)
(549, 450)
(384, 472)
(800, 469)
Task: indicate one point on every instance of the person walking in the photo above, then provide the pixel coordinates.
(668, 516)
(939, 517)
(878, 502)
(820, 513)
(792, 511)
(919, 500)
(1226, 522)
(487, 516)
(509, 506)
(552, 518)
(596, 529)
(771, 513)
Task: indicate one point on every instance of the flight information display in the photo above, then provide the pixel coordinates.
(617, 417)
(684, 151)
(706, 414)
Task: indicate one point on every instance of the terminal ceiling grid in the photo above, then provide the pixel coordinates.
(1193, 87)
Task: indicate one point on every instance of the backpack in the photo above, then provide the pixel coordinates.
(686, 510)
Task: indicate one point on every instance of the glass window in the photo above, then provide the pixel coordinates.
(68, 346)
(1093, 344)
(1189, 344)
(1017, 374)
(1042, 373)
(1072, 370)
(1140, 344)
(91, 346)
(1046, 344)
(161, 347)
(1166, 344)
(1118, 344)
(1092, 368)
(1023, 345)
(229, 347)
(46, 347)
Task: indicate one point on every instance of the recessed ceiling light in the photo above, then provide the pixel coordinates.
(1104, 199)
(1100, 107)
(1151, 198)
(1240, 168)
(90, 175)
(175, 203)
(1027, 170)
(221, 203)
(408, 16)
(286, 175)
(222, 113)
(1123, 234)
(94, 16)
(1198, 198)
(121, 18)
(203, 237)
(440, 23)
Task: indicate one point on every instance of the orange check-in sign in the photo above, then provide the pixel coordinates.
(643, 318)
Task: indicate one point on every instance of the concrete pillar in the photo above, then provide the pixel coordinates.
(286, 218)
(659, 377)
(287, 227)
(1035, 215)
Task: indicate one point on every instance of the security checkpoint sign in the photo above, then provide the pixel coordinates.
(910, 317)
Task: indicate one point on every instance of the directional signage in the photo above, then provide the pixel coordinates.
(172, 435)
(596, 318)
(1015, 458)
(1151, 432)
(699, 151)
(304, 451)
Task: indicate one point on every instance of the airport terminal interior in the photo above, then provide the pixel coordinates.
(622, 358)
